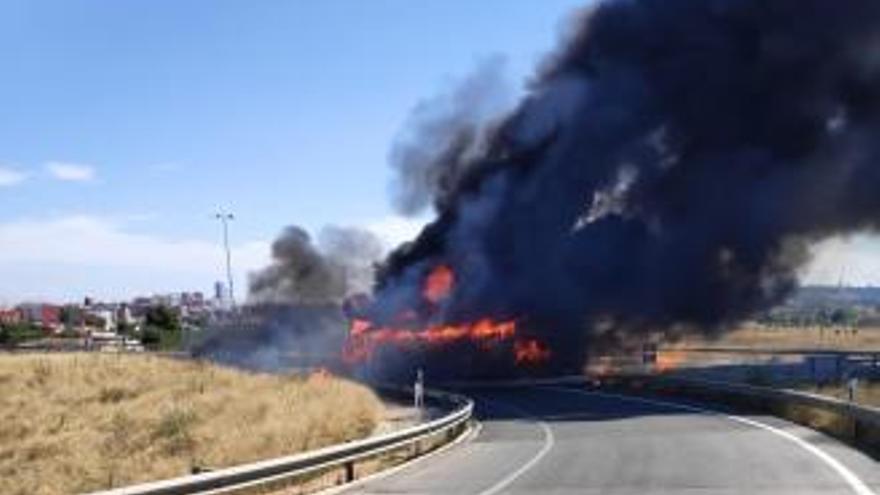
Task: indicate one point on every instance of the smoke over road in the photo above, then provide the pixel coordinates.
(668, 169)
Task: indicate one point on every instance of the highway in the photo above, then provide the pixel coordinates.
(573, 440)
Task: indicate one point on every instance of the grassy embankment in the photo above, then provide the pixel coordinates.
(759, 337)
(763, 337)
(79, 422)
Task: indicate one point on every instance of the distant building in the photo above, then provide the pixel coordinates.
(192, 300)
(105, 317)
(124, 315)
(112, 342)
(10, 316)
(219, 291)
(221, 296)
(45, 315)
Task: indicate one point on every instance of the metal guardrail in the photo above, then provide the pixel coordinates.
(794, 397)
(250, 476)
(855, 423)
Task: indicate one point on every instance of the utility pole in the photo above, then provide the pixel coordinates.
(225, 218)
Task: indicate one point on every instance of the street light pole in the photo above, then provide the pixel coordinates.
(225, 218)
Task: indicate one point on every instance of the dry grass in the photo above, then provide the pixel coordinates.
(759, 336)
(79, 422)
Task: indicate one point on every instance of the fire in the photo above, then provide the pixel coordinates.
(668, 360)
(364, 338)
(530, 352)
(439, 284)
(413, 329)
(359, 327)
(601, 367)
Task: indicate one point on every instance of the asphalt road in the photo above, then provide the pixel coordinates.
(566, 441)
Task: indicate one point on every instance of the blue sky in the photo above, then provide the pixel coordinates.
(126, 124)
(140, 118)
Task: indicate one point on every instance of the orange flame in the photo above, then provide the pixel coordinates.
(668, 360)
(530, 352)
(601, 367)
(364, 338)
(359, 327)
(406, 330)
(438, 284)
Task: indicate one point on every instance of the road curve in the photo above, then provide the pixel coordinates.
(570, 440)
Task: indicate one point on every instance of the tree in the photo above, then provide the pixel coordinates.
(14, 333)
(70, 316)
(163, 317)
(162, 328)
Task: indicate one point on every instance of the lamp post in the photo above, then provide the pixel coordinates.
(225, 218)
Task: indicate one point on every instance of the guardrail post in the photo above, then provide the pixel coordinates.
(349, 471)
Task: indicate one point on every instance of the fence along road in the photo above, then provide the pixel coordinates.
(566, 440)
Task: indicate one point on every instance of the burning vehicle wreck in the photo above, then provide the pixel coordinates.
(418, 338)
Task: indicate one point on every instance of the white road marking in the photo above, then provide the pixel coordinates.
(857, 485)
(549, 441)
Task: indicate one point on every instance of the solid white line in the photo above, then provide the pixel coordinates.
(549, 441)
(857, 485)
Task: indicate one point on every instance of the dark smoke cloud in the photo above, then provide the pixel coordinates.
(443, 136)
(668, 170)
(303, 272)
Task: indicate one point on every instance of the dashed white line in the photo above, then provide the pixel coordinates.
(857, 485)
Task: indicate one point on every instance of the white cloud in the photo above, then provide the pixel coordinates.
(67, 257)
(73, 248)
(11, 177)
(72, 172)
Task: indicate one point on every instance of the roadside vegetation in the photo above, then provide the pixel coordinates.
(760, 338)
(71, 423)
(756, 335)
(12, 334)
(162, 328)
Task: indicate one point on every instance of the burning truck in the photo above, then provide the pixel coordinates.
(420, 336)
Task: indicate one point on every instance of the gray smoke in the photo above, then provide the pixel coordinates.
(294, 315)
(442, 137)
(307, 273)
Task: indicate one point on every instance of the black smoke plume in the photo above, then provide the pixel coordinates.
(667, 171)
